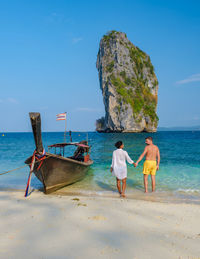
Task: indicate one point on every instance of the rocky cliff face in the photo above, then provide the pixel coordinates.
(129, 86)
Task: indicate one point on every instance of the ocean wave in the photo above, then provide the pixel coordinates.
(189, 190)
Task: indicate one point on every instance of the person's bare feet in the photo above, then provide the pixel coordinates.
(146, 192)
(123, 195)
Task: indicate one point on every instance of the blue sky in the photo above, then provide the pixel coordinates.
(48, 53)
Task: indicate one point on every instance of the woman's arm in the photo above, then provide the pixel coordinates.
(112, 165)
(141, 156)
(128, 159)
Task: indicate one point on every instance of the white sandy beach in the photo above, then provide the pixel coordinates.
(43, 226)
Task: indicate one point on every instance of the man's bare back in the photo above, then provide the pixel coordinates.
(151, 152)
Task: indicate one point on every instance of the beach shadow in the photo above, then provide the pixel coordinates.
(105, 186)
(130, 183)
(31, 191)
(134, 184)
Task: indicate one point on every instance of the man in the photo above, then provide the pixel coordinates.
(151, 164)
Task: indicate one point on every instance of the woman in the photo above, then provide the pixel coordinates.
(119, 167)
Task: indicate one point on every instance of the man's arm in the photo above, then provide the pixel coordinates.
(158, 158)
(141, 157)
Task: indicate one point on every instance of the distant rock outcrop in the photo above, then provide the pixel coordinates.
(129, 86)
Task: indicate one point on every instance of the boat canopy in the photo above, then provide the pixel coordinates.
(69, 144)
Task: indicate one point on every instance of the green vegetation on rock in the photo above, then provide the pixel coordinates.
(109, 67)
(137, 94)
(110, 35)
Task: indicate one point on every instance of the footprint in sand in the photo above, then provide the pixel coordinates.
(75, 199)
(98, 217)
(109, 250)
(82, 204)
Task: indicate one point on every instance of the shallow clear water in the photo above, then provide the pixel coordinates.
(179, 172)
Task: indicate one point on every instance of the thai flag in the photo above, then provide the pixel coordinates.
(61, 116)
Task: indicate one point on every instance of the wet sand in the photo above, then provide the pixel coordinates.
(56, 226)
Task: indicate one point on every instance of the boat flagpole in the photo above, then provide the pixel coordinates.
(65, 127)
(61, 117)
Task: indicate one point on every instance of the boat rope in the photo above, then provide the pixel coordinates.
(40, 158)
(18, 168)
(10, 171)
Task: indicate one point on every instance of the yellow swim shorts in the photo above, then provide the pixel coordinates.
(149, 167)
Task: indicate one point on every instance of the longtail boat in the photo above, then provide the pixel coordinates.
(55, 170)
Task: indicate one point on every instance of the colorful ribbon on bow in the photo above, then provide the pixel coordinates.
(37, 157)
(31, 170)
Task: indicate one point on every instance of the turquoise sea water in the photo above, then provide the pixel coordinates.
(179, 174)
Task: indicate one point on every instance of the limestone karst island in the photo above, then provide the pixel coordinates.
(129, 86)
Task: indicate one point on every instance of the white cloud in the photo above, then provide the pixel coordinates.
(56, 18)
(12, 100)
(196, 118)
(192, 78)
(76, 40)
(9, 100)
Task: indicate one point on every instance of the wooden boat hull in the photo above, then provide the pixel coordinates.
(57, 171)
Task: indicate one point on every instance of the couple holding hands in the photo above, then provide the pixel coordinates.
(151, 164)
